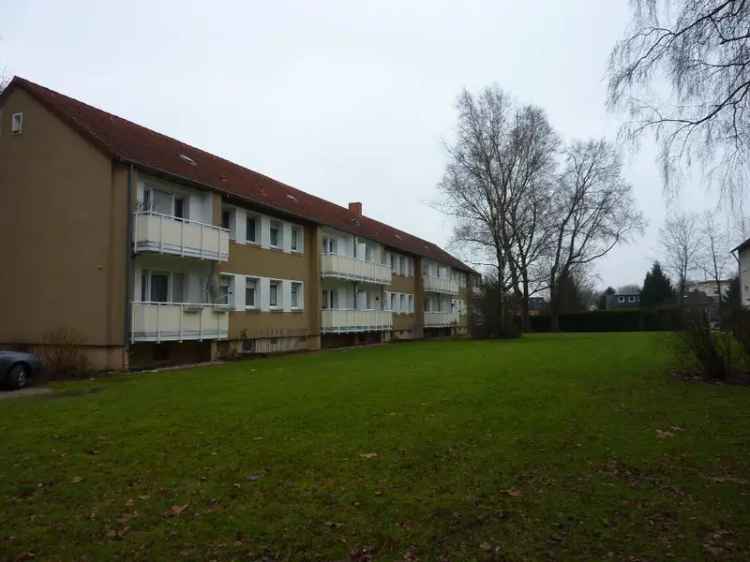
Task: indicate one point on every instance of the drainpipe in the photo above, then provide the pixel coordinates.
(129, 263)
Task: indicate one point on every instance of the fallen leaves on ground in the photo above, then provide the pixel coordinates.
(175, 510)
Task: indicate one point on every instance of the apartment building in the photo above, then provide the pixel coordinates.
(152, 251)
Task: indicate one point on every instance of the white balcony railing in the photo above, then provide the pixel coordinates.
(154, 232)
(440, 285)
(161, 321)
(440, 319)
(344, 267)
(348, 321)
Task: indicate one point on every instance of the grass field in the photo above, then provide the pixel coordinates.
(554, 447)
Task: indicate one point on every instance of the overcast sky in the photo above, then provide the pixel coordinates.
(347, 100)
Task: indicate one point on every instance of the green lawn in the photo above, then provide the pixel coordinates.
(554, 447)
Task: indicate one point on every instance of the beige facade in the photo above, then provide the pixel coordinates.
(63, 235)
(147, 280)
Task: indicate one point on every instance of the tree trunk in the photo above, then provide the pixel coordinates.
(525, 322)
(554, 306)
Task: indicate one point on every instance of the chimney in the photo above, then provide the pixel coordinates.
(356, 208)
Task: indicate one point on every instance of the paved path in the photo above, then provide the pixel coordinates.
(32, 391)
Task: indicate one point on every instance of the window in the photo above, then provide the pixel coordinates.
(330, 299)
(251, 290)
(226, 290)
(296, 238)
(276, 234)
(178, 287)
(159, 291)
(252, 229)
(164, 203)
(411, 303)
(368, 252)
(274, 299)
(296, 294)
(16, 123)
(226, 218)
(329, 246)
(402, 265)
(393, 263)
(402, 303)
(393, 301)
(179, 208)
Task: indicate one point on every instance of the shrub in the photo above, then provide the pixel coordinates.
(62, 354)
(484, 320)
(715, 354)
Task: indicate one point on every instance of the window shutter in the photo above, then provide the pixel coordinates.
(239, 292)
(265, 232)
(240, 226)
(264, 288)
(286, 294)
(286, 239)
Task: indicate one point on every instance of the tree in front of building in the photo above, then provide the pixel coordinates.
(601, 303)
(657, 288)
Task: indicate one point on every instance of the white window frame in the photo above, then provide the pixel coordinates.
(256, 231)
(279, 226)
(146, 275)
(253, 282)
(227, 299)
(278, 284)
(300, 305)
(232, 221)
(297, 232)
(16, 123)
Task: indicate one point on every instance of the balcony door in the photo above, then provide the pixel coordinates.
(164, 203)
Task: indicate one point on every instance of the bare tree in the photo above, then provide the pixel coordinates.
(499, 164)
(594, 210)
(681, 243)
(702, 47)
(715, 260)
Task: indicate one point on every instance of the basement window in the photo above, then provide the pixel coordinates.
(16, 123)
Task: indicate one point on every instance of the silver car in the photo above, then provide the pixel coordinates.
(18, 369)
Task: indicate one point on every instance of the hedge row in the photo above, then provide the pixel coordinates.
(613, 321)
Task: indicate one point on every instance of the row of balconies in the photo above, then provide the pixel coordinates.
(158, 322)
(164, 234)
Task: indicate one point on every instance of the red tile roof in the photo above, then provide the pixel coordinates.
(132, 143)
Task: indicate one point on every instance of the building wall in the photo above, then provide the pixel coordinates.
(249, 260)
(62, 231)
(745, 276)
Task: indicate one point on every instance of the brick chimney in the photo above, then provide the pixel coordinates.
(356, 208)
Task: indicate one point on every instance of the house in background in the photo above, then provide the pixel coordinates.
(537, 306)
(623, 301)
(154, 251)
(712, 290)
(742, 253)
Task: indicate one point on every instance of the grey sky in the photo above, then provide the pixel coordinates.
(346, 100)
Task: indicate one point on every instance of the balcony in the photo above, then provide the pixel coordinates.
(440, 319)
(161, 321)
(165, 234)
(349, 321)
(344, 267)
(440, 285)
